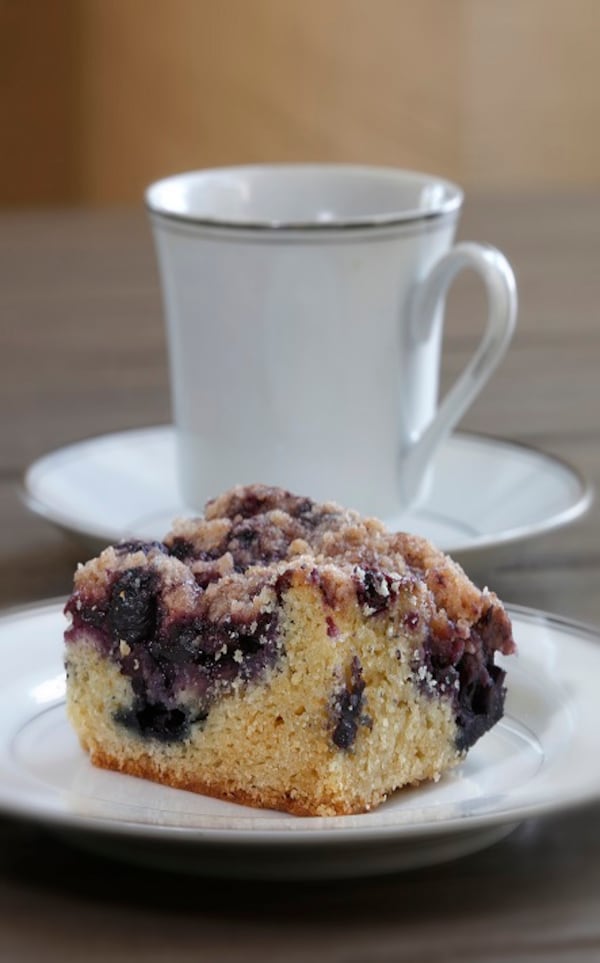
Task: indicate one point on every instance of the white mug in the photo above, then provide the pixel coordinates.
(304, 315)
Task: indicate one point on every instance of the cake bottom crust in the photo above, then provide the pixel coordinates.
(265, 798)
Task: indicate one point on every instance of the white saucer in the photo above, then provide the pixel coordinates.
(486, 493)
(535, 761)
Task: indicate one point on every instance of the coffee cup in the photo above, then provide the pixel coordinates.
(304, 311)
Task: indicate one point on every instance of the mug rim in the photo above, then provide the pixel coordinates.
(449, 204)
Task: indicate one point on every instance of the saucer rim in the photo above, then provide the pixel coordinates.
(479, 543)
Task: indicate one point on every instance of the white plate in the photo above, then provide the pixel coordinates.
(539, 758)
(486, 493)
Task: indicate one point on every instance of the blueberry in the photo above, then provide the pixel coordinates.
(480, 704)
(347, 708)
(156, 721)
(470, 678)
(373, 590)
(132, 609)
(181, 548)
(179, 645)
(136, 545)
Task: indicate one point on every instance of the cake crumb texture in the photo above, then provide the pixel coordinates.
(284, 654)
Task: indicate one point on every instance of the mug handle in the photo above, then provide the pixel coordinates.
(500, 284)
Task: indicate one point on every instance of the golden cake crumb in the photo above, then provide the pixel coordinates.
(284, 654)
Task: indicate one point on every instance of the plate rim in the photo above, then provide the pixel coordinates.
(479, 543)
(328, 836)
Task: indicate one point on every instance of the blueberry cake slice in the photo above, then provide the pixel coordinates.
(284, 654)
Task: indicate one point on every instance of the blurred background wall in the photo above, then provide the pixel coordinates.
(99, 97)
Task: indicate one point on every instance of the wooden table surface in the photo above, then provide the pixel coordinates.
(82, 353)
